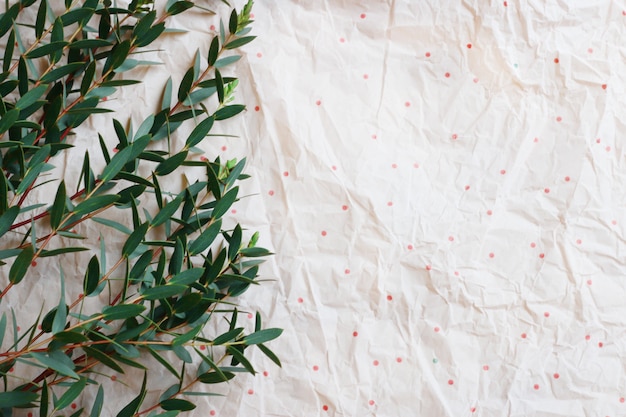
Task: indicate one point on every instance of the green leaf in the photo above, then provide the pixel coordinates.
(255, 252)
(144, 23)
(92, 276)
(6, 19)
(111, 223)
(8, 53)
(227, 112)
(213, 51)
(235, 243)
(17, 398)
(122, 311)
(103, 358)
(60, 251)
(225, 203)
(239, 42)
(118, 55)
(206, 238)
(215, 378)
(185, 85)
(133, 406)
(96, 202)
(271, 355)
(8, 120)
(228, 336)
(89, 44)
(163, 291)
(71, 394)
(151, 35)
(3, 327)
(97, 404)
(7, 219)
(83, 14)
(135, 239)
(221, 63)
(187, 277)
(85, 84)
(168, 211)
(232, 22)
(238, 357)
(199, 132)
(169, 165)
(57, 73)
(177, 404)
(60, 317)
(58, 207)
(166, 101)
(56, 364)
(47, 49)
(187, 302)
(43, 402)
(262, 336)
(21, 264)
(179, 7)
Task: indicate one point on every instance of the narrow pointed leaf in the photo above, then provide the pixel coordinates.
(199, 132)
(71, 394)
(135, 239)
(96, 202)
(7, 219)
(133, 407)
(92, 276)
(239, 42)
(169, 165)
(213, 51)
(262, 336)
(47, 49)
(185, 85)
(168, 211)
(227, 112)
(177, 404)
(58, 207)
(206, 238)
(17, 398)
(122, 311)
(55, 364)
(21, 264)
(97, 404)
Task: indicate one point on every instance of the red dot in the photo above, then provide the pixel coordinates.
(450, 382)
(212, 27)
(407, 104)
(374, 137)
(541, 255)
(491, 254)
(556, 60)
(416, 165)
(113, 378)
(342, 40)
(224, 148)
(12, 369)
(394, 166)
(257, 108)
(390, 203)
(33, 263)
(325, 408)
(559, 118)
(613, 222)
(590, 50)
(536, 140)
(587, 337)
(265, 373)
(502, 171)
(524, 335)
(467, 187)
(371, 402)
(578, 241)
(365, 76)
(389, 298)
(469, 46)
(300, 300)
(533, 244)
(473, 409)
(73, 406)
(318, 102)
(363, 16)
(600, 344)
(30, 414)
(202, 347)
(589, 282)
(204, 158)
(485, 367)
(324, 233)
(598, 140)
(316, 368)
(451, 238)
(505, 4)
(399, 360)
(346, 271)
(608, 149)
(447, 74)
(604, 86)
(621, 399)
(250, 315)
(334, 168)
(567, 179)
(436, 329)
(355, 334)
(475, 80)
(489, 212)
(212, 412)
(427, 54)
(250, 391)
(344, 207)
(454, 136)
(546, 314)
(285, 174)
(19, 328)
(409, 247)
(376, 363)
(39, 327)
(428, 267)
(271, 192)
(456, 273)
(536, 386)
(546, 190)
(556, 376)
(259, 55)
(105, 98)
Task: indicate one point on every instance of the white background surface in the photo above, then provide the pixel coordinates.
(445, 200)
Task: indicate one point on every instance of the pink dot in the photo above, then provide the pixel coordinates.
(485, 367)
(300, 300)
(250, 391)
(363, 16)
(376, 363)
(374, 137)
(316, 368)
(604, 86)
(259, 55)
(346, 271)
(371, 402)
(613, 222)
(204, 158)
(456, 273)
(285, 174)
(450, 382)
(324, 233)
(590, 50)
(318, 102)
(578, 241)
(342, 40)
(473, 409)
(251, 15)
(598, 140)
(389, 203)
(257, 108)
(365, 76)
(589, 282)
(489, 212)
(399, 360)
(536, 140)
(546, 314)
(556, 376)
(212, 27)
(202, 347)
(524, 335)
(567, 179)
(409, 247)
(451, 238)
(250, 315)
(608, 149)
(428, 267)
(234, 211)
(600, 344)
(344, 207)
(447, 75)
(394, 166)
(436, 329)
(587, 337)
(542, 255)
(212, 412)
(73, 406)
(427, 54)
(355, 334)
(475, 80)
(536, 386)
(556, 60)
(469, 46)
(559, 118)
(533, 244)
(271, 192)
(505, 4)
(491, 254)
(325, 408)
(113, 378)
(33, 263)
(454, 136)
(623, 12)
(546, 190)
(407, 104)
(467, 187)
(389, 298)
(622, 399)
(265, 373)
(502, 172)
(334, 167)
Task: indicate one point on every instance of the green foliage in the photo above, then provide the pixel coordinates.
(173, 267)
